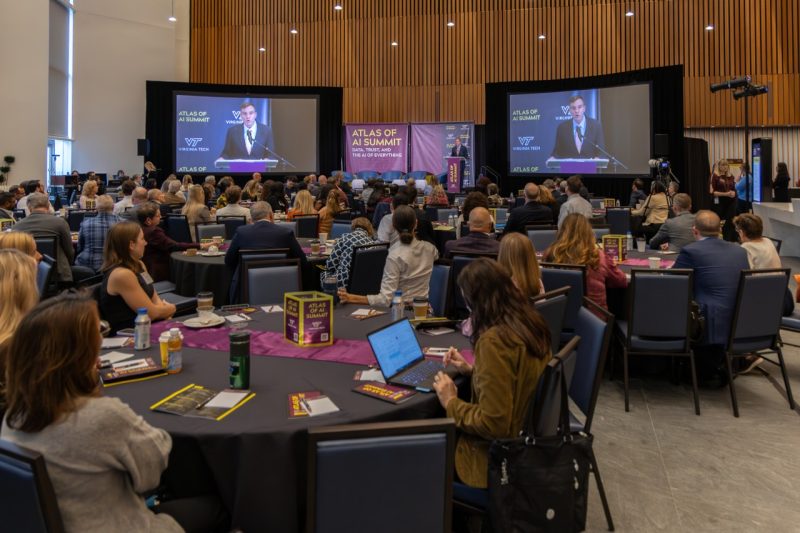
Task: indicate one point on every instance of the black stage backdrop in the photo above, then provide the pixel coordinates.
(667, 117)
(161, 118)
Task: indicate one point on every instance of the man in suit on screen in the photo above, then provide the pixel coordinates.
(250, 139)
(578, 138)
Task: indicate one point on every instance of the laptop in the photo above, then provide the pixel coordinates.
(400, 357)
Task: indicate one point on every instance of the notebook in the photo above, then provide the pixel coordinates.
(401, 359)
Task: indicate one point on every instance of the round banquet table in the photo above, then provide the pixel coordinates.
(196, 273)
(256, 456)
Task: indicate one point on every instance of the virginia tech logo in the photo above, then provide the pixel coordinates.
(236, 114)
(525, 141)
(193, 141)
(565, 109)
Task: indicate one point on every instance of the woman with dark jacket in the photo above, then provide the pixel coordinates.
(780, 185)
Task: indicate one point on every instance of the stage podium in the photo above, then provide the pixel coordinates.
(455, 172)
(577, 166)
(245, 165)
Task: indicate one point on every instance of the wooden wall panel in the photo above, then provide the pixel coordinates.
(438, 73)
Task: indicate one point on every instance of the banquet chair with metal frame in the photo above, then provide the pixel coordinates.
(366, 268)
(265, 281)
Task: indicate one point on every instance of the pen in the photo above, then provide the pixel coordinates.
(305, 405)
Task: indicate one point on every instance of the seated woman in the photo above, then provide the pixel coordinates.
(761, 252)
(19, 294)
(195, 209)
(127, 286)
(493, 195)
(275, 197)
(88, 199)
(99, 453)
(512, 348)
(22, 241)
(329, 212)
(303, 205)
(546, 198)
(438, 197)
(518, 256)
(338, 264)
(654, 211)
(159, 244)
(575, 245)
(251, 191)
(408, 266)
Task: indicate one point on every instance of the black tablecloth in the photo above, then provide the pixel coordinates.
(256, 456)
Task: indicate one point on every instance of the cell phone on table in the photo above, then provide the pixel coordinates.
(127, 332)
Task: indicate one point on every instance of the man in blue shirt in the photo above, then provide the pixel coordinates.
(93, 231)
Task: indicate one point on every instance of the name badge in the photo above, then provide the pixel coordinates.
(148, 280)
(716, 199)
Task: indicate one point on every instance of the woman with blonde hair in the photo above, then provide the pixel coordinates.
(186, 183)
(196, 210)
(22, 241)
(251, 191)
(303, 205)
(17, 290)
(88, 199)
(438, 196)
(329, 212)
(518, 256)
(546, 198)
(575, 245)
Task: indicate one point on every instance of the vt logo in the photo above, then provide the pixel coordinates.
(237, 113)
(192, 141)
(565, 109)
(525, 141)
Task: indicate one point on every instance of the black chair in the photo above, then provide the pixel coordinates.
(541, 236)
(756, 323)
(177, 228)
(341, 493)
(45, 276)
(553, 306)
(265, 281)
(19, 214)
(366, 268)
(345, 216)
(776, 242)
(184, 305)
(306, 226)
(439, 287)
(555, 276)
(658, 320)
(460, 260)
(47, 246)
(232, 223)
(76, 216)
(251, 254)
(27, 499)
(600, 230)
(209, 230)
(619, 220)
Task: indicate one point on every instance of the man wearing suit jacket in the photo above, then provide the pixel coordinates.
(248, 140)
(459, 150)
(532, 213)
(716, 264)
(262, 233)
(577, 138)
(480, 238)
(676, 232)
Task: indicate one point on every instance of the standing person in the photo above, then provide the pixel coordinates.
(195, 209)
(512, 348)
(578, 138)
(92, 235)
(744, 194)
(780, 185)
(723, 190)
(250, 139)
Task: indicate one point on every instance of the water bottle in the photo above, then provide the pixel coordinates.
(329, 286)
(141, 332)
(629, 241)
(451, 221)
(239, 367)
(175, 347)
(397, 306)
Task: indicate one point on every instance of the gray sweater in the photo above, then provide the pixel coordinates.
(100, 458)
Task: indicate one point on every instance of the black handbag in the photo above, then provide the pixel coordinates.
(540, 484)
(697, 323)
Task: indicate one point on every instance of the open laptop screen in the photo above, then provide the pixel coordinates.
(395, 347)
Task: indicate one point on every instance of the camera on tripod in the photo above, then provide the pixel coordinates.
(661, 165)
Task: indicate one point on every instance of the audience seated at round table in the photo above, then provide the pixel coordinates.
(338, 263)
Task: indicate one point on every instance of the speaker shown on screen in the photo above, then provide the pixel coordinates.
(143, 147)
(662, 144)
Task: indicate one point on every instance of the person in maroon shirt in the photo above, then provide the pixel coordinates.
(159, 244)
(723, 190)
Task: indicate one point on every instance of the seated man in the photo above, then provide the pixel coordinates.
(92, 237)
(576, 202)
(637, 193)
(716, 264)
(233, 209)
(7, 202)
(676, 232)
(159, 244)
(174, 196)
(480, 238)
(127, 188)
(138, 197)
(259, 235)
(533, 212)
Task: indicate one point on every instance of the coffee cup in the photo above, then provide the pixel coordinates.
(655, 262)
(315, 247)
(420, 308)
(640, 245)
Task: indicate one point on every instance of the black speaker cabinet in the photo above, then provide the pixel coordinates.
(143, 147)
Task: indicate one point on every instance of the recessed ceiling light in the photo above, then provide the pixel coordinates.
(293, 31)
(394, 43)
(262, 49)
(541, 37)
(710, 27)
(450, 24)
(338, 7)
(629, 13)
(172, 18)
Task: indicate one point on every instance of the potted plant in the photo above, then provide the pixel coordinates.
(6, 168)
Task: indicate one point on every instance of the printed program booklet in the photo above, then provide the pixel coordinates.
(198, 401)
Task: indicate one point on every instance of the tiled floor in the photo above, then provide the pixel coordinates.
(666, 469)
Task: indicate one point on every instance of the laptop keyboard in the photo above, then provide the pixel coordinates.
(421, 372)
